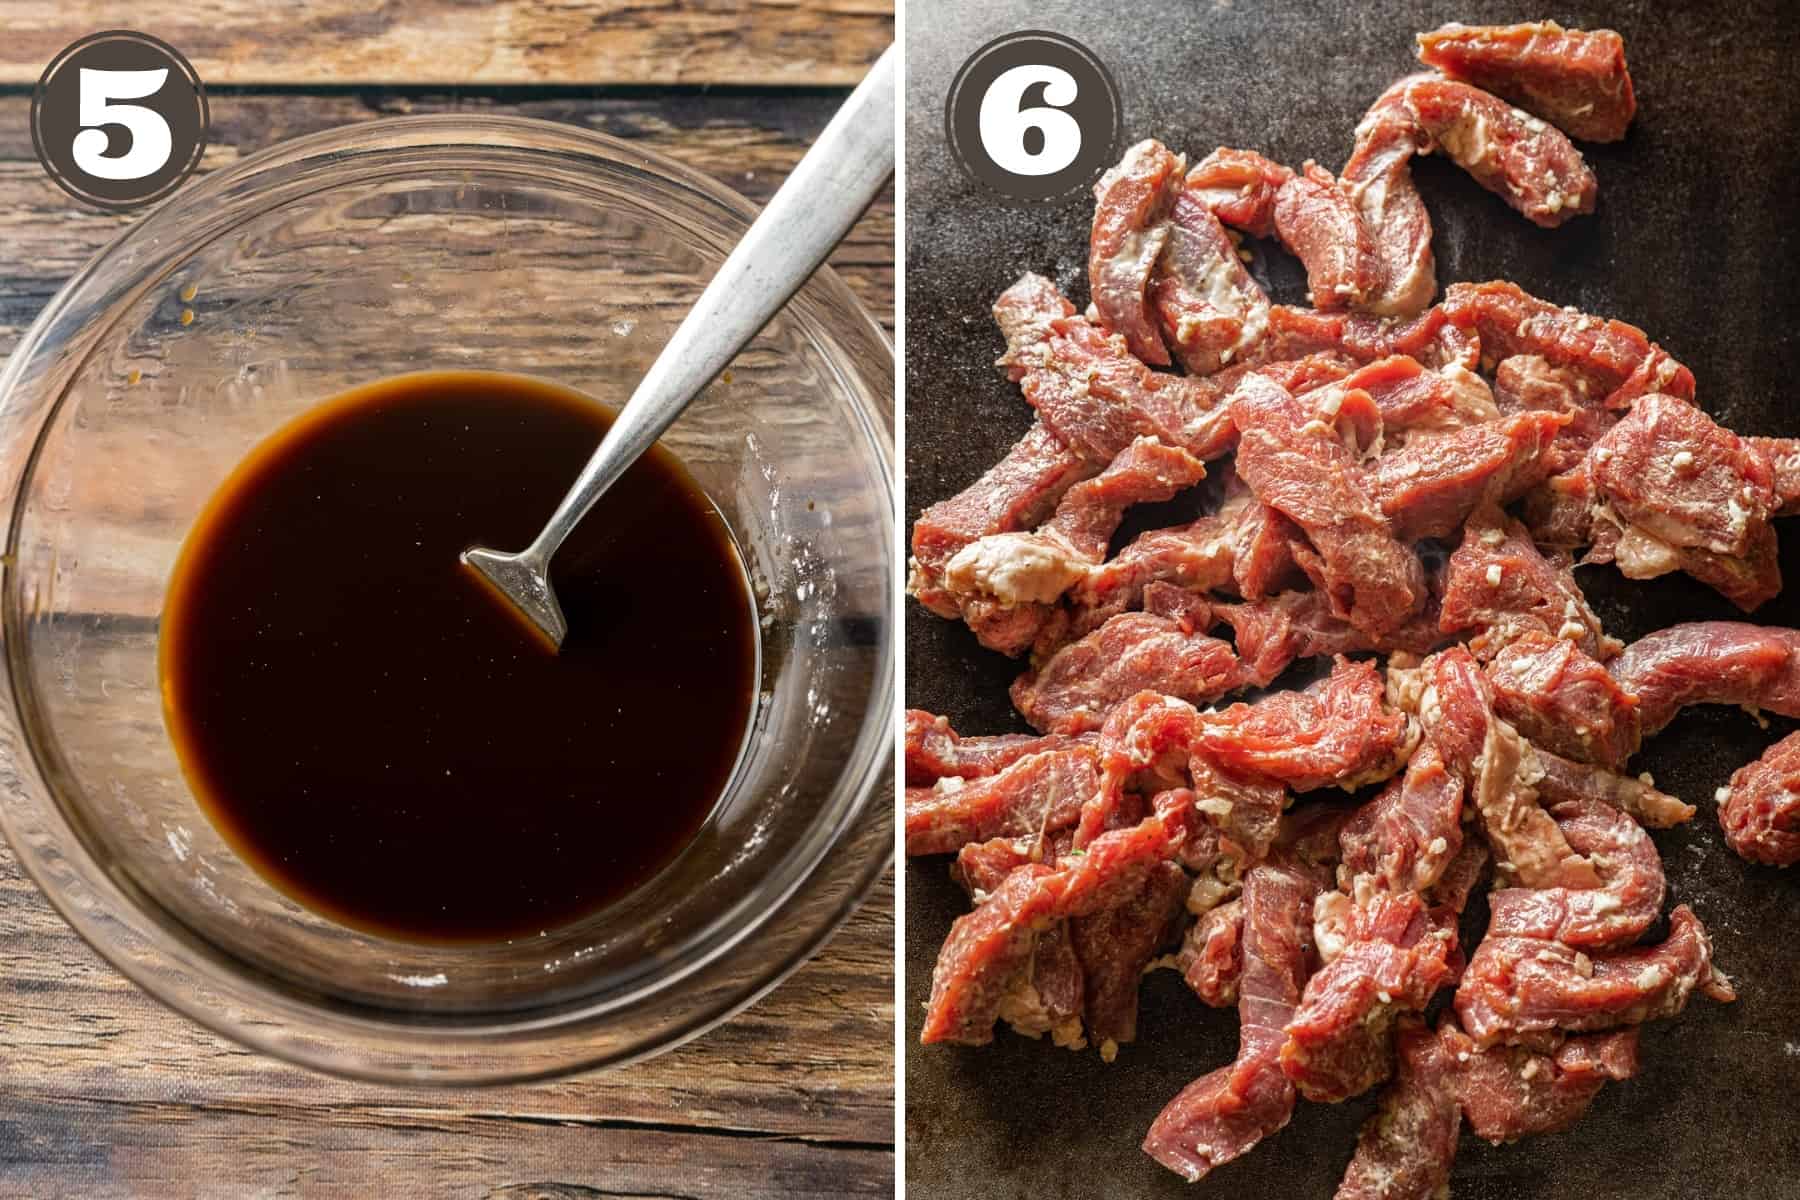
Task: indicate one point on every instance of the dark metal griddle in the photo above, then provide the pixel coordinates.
(1696, 241)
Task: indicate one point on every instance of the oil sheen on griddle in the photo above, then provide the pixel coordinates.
(385, 743)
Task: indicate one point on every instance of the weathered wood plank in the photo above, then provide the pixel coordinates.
(805, 43)
(749, 147)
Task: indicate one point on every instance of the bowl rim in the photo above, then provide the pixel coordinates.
(189, 980)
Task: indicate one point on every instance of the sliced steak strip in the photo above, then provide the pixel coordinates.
(1711, 662)
(1576, 79)
(1317, 219)
(1508, 1092)
(1239, 187)
(1211, 958)
(1500, 585)
(1223, 1115)
(935, 750)
(1275, 632)
(1498, 769)
(1395, 958)
(1075, 689)
(1337, 732)
(1132, 202)
(1565, 779)
(1032, 795)
(1409, 834)
(1406, 1150)
(1115, 945)
(1612, 915)
(1427, 488)
(988, 946)
(1296, 464)
(1210, 311)
(1521, 989)
(1563, 700)
(1619, 362)
(1761, 809)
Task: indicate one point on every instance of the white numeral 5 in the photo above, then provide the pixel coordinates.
(151, 141)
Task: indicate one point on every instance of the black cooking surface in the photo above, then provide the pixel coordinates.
(1694, 240)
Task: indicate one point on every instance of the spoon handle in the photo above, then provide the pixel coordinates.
(809, 215)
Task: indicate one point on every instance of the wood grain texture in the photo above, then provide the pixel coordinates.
(807, 43)
(105, 1094)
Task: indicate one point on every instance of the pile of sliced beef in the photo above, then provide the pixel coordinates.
(1404, 488)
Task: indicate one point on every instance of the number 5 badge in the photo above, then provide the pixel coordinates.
(1034, 116)
(119, 119)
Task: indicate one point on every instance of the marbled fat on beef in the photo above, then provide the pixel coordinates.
(1132, 202)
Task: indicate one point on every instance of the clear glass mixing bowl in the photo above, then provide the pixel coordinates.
(332, 260)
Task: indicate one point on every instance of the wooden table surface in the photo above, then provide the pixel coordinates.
(103, 1093)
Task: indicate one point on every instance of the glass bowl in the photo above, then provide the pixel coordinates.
(332, 260)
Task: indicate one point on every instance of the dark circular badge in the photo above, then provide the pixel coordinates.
(1034, 116)
(119, 119)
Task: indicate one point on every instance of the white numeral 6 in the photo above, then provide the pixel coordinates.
(151, 141)
(1003, 122)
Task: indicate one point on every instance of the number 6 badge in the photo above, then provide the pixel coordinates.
(119, 119)
(1034, 116)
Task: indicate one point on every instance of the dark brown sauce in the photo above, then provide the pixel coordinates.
(372, 731)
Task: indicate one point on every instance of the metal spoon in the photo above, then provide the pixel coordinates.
(811, 212)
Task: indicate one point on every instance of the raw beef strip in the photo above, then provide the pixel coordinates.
(1191, 610)
(1673, 472)
(1025, 312)
(1072, 692)
(1560, 511)
(1428, 487)
(1565, 779)
(1411, 396)
(986, 947)
(1576, 79)
(1211, 311)
(1529, 383)
(1273, 633)
(1132, 202)
(1016, 493)
(1246, 809)
(1016, 569)
(1615, 914)
(934, 750)
(1262, 551)
(1528, 164)
(1198, 557)
(1318, 221)
(1619, 362)
(1431, 337)
(1408, 835)
(1784, 458)
(1339, 1040)
(1034, 794)
(1336, 732)
(1711, 662)
(1115, 945)
(1499, 584)
(1046, 995)
(1406, 1150)
(1761, 809)
(1497, 767)
(1296, 464)
(1562, 700)
(1211, 959)
(1507, 1092)
(1097, 397)
(1396, 226)
(1518, 989)
(1239, 188)
(1223, 1115)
